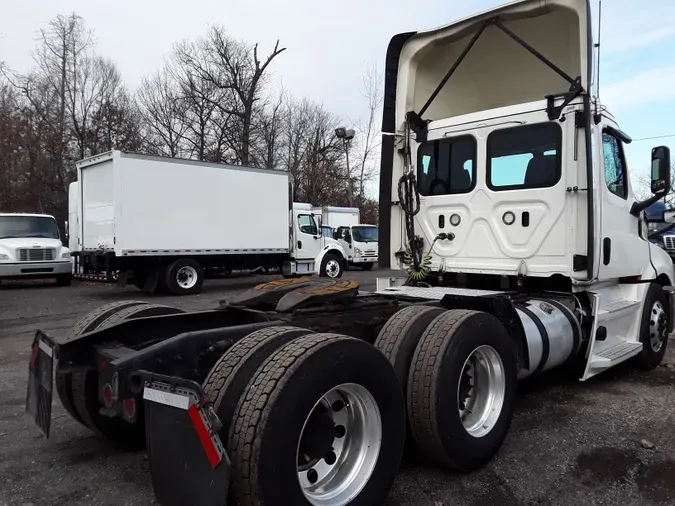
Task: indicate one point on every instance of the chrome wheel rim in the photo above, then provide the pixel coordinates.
(333, 268)
(658, 324)
(481, 391)
(339, 445)
(186, 277)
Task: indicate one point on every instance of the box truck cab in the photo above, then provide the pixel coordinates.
(31, 247)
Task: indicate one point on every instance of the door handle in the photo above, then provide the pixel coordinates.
(299, 244)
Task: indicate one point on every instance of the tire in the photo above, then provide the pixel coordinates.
(366, 266)
(227, 380)
(332, 266)
(270, 418)
(433, 400)
(84, 388)
(653, 328)
(63, 381)
(64, 279)
(184, 277)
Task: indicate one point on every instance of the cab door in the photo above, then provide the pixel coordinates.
(623, 252)
(308, 241)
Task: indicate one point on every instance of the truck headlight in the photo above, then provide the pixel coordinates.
(358, 252)
(65, 255)
(4, 257)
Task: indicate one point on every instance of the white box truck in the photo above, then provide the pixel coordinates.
(164, 220)
(357, 239)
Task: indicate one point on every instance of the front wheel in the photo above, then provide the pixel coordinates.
(332, 266)
(322, 422)
(654, 327)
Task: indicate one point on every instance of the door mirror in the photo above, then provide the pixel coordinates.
(347, 236)
(660, 170)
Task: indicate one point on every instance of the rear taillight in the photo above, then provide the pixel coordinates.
(129, 406)
(108, 395)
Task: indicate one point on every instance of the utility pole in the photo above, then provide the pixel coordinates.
(347, 135)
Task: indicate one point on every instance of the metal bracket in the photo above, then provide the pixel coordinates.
(555, 111)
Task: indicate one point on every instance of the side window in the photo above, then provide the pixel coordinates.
(447, 166)
(524, 157)
(306, 224)
(615, 166)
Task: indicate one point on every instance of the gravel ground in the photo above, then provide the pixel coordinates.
(607, 441)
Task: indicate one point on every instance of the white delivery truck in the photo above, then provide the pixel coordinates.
(31, 247)
(164, 220)
(360, 241)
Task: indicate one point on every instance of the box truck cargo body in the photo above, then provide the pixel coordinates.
(160, 219)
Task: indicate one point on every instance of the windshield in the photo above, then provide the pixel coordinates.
(28, 226)
(365, 234)
(657, 226)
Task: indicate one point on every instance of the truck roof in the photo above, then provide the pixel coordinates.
(109, 155)
(28, 215)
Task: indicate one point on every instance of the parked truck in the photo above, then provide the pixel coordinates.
(506, 206)
(357, 239)
(31, 248)
(162, 221)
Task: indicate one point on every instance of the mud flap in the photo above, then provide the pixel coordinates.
(188, 462)
(40, 382)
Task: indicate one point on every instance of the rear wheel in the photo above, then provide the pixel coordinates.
(227, 380)
(321, 423)
(654, 327)
(184, 277)
(461, 389)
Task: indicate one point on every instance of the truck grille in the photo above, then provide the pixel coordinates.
(669, 241)
(36, 254)
(369, 253)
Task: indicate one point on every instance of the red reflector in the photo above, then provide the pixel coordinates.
(129, 407)
(101, 365)
(204, 436)
(108, 395)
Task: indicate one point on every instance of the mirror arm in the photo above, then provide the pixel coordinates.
(638, 207)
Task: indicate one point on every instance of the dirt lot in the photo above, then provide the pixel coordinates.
(607, 441)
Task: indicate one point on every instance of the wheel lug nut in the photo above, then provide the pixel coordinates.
(340, 431)
(312, 476)
(338, 406)
(330, 458)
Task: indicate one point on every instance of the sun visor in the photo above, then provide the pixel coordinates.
(498, 69)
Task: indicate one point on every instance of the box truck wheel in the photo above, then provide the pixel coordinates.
(84, 387)
(322, 422)
(184, 277)
(461, 389)
(654, 327)
(332, 266)
(227, 380)
(86, 324)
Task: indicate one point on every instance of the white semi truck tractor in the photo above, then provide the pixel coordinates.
(505, 203)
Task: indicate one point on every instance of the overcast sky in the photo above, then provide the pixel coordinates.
(330, 44)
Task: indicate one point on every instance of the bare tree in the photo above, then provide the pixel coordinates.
(369, 133)
(163, 113)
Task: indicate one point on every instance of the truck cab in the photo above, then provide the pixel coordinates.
(360, 243)
(31, 247)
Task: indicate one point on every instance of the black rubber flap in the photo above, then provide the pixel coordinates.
(318, 292)
(39, 394)
(267, 293)
(182, 470)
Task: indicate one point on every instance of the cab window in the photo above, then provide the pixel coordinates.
(615, 165)
(446, 166)
(307, 225)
